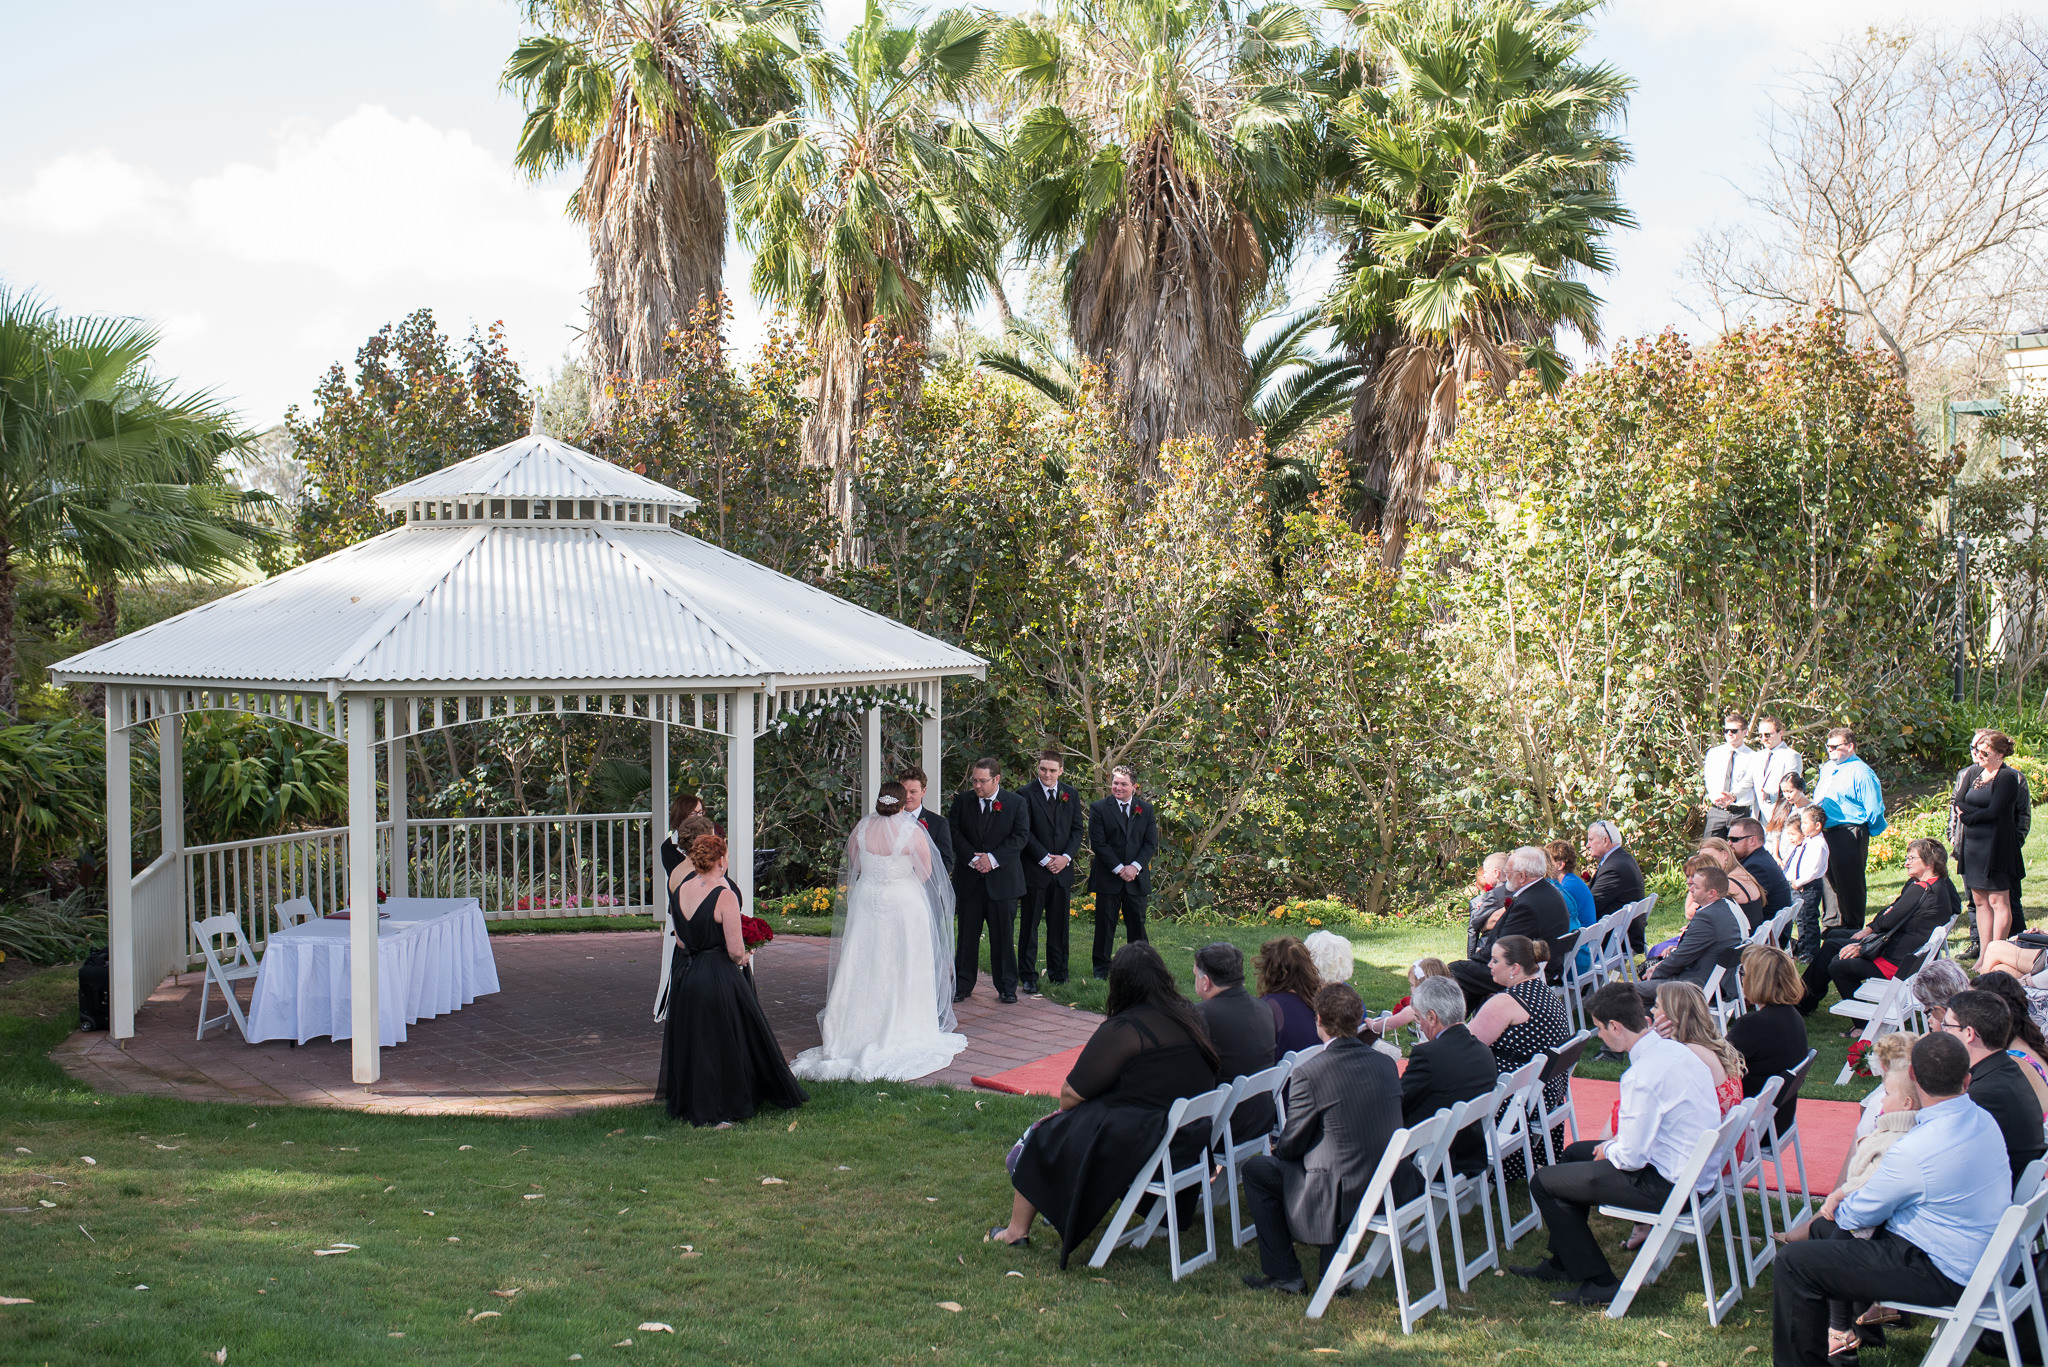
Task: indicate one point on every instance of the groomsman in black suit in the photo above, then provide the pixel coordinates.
(991, 829)
(1051, 846)
(1123, 831)
(914, 783)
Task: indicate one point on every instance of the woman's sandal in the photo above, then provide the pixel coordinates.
(994, 1237)
(1842, 1346)
(1879, 1314)
(1636, 1237)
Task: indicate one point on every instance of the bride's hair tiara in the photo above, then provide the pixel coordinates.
(886, 800)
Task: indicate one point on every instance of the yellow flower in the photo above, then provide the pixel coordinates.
(1313, 921)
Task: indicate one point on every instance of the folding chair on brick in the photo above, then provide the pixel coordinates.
(1749, 1167)
(1774, 1152)
(240, 967)
(1559, 1062)
(1460, 1192)
(1509, 1133)
(2001, 1291)
(1231, 1152)
(1698, 1202)
(293, 912)
(1161, 1179)
(1389, 1221)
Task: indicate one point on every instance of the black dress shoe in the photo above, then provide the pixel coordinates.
(1545, 1271)
(1007, 998)
(1029, 987)
(961, 996)
(1289, 1286)
(1588, 1294)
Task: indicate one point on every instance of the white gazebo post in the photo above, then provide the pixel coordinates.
(365, 1034)
(120, 870)
(739, 792)
(657, 800)
(931, 741)
(870, 757)
(394, 788)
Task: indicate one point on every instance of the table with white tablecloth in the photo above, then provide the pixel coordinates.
(433, 957)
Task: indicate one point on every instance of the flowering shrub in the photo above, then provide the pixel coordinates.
(1084, 904)
(810, 902)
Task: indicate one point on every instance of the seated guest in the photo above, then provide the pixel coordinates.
(1448, 1067)
(1890, 945)
(1332, 956)
(1980, 1022)
(1403, 1013)
(2026, 1047)
(1744, 892)
(1667, 1103)
(1771, 1035)
(1613, 876)
(1288, 983)
(1935, 983)
(1713, 932)
(1521, 1021)
(1534, 908)
(1746, 838)
(1079, 1161)
(1564, 863)
(1240, 1028)
(1342, 1108)
(1888, 1114)
(1932, 1205)
(1489, 895)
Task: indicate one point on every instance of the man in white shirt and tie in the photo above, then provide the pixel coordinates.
(1772, 760)
(1667, 1103)
(1729, 776)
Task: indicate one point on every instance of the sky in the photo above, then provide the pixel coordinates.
(270, 183)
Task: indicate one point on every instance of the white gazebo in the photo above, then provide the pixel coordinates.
(532, 580)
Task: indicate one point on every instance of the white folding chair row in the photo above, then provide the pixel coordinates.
(1748, 1167)
(1389, 1221)
(1720, 1005)
(1603, 961)
(1231, 1152)
(2001, 1291)
(1562, 1061)
(240, 967)
(1161, 1179)
(1893, 1008)
(1630, 914)
(1698, 1202)
(1774, 1152)
(1508, 1134)
(1460, 1192)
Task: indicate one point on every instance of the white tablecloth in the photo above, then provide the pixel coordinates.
(433, 956)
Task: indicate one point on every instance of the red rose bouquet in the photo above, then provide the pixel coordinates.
(755, 932)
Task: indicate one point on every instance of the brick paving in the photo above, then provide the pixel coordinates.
(570, 1030)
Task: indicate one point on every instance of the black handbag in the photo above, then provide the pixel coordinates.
(93, 1010)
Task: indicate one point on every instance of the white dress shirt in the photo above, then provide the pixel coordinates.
(1809, 861)
(1770, 766)
(1717, 775)
(1667, 1103)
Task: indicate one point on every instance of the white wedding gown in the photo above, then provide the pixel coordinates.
(881, 1018)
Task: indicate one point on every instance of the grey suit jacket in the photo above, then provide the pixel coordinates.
(1712, 936)
(1342, 1107)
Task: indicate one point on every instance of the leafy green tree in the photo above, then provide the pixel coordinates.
(642, 91)
(1474, 188)
(414, 406)
(2000, 511)
(1168, 156)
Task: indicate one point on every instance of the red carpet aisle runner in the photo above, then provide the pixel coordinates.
(1827, 1129)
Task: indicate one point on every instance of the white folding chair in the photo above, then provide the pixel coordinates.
(1389, 1220)
(1509, 1132)
(293, 912)
(1715, 989)
(1294, 1058)
(1231, 1151)
(1749, 1166)
(1698, 1201)
(1774, 1152)
(1162, 1180)
(1562, 1061)
(2000, 1291)
(240, 967)
(1577, 985)
(1460, 1192)
(1635, 911)
(1890, 1012)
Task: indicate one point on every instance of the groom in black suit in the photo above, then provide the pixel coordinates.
(989, 831)
(1123, 831)
(914, 783)
(1053, 843)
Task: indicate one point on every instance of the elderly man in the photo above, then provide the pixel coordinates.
(1449, 1066)
(1240, 1027)
(1852, 800)
(1613, 876)
(1534, 908)
(1933, 1202)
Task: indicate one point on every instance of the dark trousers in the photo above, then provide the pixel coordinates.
(1821, 1270)
(1122, 899)
(975, 910)
(1477, 980)
(1848, 856)
(1806, 905)
(1263, 1193)
(1048, 904)
(1568, 1193)
(1820, 971)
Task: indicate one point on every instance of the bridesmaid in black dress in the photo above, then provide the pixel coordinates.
(720, 1060)
(1987, 809)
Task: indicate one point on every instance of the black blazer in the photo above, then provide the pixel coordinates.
(1001, 833)
(1241, 1028)
(1116, 841)
(1052, 827)
(1997, 1085)
(1771, 879)
(1900, 931)
(1451, 1068)
(1537, 911)
(1617, 882)
(941, 831)
(1342, 1108)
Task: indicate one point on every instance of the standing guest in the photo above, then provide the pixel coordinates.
(720, 1058)
(1988, 814)
(1775, 760)
(1489, 895)
(1982, 1024)
(987, 883)
(1079, 1161)
(1932, 1205)
(2026, 1047)
(1713, 933)
(1288, 984)
(1534, 908)
(1746, 838)
(1667, 1103)
(1240, 1028)
(1617, 879)
(1342, 1108)
(1771, 1035)
(1729, 776)
(1806, 871)
(1521, 1021)
(1123, 831)
(914, 785)
(1781, 830)
(1891, 945)
(2023, 821)
(1853, 800)
(1054, 823)
(1450, 1065)
(1578, 898)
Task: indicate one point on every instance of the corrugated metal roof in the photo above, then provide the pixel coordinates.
(533, 467)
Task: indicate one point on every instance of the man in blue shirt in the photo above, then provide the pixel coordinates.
(1850, 797)
(1933, 1203)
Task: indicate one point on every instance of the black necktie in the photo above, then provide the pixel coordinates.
(984, 806)
(1126, 809)
(1049, 795)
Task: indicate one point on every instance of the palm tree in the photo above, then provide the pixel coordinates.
(1475, 189)
(101, 465)
(643, 91)
(1169, 158)
(867, 205)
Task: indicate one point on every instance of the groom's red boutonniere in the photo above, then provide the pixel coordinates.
(996, 806)
(1136, 810)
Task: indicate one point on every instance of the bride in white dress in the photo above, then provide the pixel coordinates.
(889, 997)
